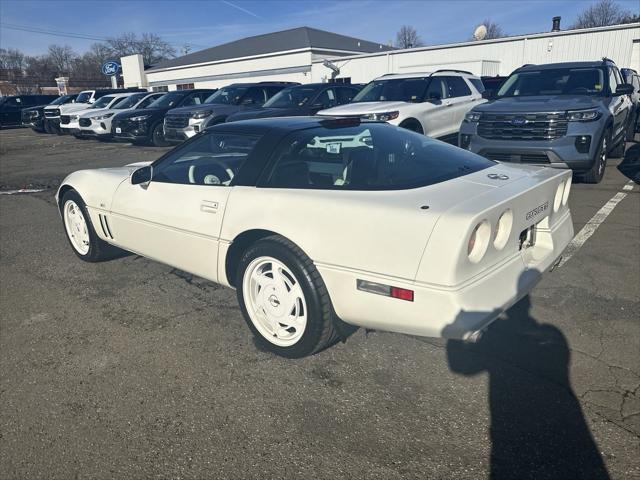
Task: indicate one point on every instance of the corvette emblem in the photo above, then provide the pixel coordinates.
(498, 176)
(537, 211)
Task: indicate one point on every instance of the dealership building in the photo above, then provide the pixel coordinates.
(307, 55)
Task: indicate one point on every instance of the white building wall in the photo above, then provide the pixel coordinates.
(133, 71)
(219, 74)
(493, 57)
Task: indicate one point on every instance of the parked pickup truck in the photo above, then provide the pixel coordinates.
(34, 118)
(11, 107)
(566, 115)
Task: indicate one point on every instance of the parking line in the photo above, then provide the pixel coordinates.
(592, 225)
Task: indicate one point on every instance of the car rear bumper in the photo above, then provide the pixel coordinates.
(450, 312)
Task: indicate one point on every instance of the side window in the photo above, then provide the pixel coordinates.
(13, 102)
(345, 95)
(327, 98)
(211, 159)
(437, 89)
(457, 87)
(254, 96)
(613, 81)
(271, 91)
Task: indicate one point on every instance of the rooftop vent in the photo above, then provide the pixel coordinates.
(556, 24)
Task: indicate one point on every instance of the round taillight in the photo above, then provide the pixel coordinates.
(479, 241)
(567, 189)
(503, 229)
(557, 200)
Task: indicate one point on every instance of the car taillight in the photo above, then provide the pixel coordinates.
(503, 230)
(567, 189)
(479, 241)
(557, 200)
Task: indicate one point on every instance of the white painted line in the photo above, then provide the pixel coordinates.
(628, 186)
(22, 190)
(590, 227)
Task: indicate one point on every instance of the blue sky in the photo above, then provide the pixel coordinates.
(211, 22)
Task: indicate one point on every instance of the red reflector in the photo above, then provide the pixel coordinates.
(402, 294)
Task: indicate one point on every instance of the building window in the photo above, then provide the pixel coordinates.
(185, 86)
(163, 88)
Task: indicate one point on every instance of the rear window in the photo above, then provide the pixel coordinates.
(476, 82)
(370, 156)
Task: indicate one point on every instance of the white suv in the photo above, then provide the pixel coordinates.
(70, 122)
(430, 103)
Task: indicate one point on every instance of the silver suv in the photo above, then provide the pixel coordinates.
(566, 115)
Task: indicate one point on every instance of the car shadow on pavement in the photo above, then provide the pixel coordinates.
(538, 430)
(630, 165)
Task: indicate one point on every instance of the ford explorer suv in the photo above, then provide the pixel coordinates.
(145, 126)
(631, 77)
(301, 100)
(430, 103)
(84, 100)
(97, 124)
(34, 118)
(183, 123)
(11, 107)
(565, 115)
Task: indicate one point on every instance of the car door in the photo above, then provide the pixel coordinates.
(176, 217)
(619, 107)
(10, 111)
(460, 101)
(436, 116)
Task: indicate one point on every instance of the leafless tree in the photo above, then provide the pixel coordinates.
(61, 57)
(602, 13)
(407, 37)
(152, 48)
(494, 30)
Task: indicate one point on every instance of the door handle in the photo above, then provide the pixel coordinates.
(209, 206)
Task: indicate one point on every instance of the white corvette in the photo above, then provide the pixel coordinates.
(324, 223)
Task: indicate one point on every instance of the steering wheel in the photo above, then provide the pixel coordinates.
(211, 179)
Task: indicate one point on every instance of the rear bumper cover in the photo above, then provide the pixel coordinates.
(458, 312)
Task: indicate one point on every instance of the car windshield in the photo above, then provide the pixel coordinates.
(83, 97)
(130, 101)
(102, 102)
(369, 156)
(167, 101)
(227, 95)
(555, 81)
(396, 90)
(292, 97)
(61, 100)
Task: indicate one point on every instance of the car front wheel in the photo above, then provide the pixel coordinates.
(596, 172)
(284, 300)
(157, 136)
(80, 232)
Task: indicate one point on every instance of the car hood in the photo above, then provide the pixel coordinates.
(543, 103)
(216, 108)
(268, 112)
(90, 112)
(72, 107)
(142, 111)
(362, 108)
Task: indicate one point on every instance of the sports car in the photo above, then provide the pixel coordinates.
(326, 224)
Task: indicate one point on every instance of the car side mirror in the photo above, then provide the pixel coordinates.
(624, 89)
(142, 176)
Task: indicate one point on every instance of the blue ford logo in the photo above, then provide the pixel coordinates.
(518, 121)
(110, 68)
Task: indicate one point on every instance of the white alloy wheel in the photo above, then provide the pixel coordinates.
(275, 301)
(76, 227)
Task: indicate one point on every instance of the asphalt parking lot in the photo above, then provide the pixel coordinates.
(131, 369)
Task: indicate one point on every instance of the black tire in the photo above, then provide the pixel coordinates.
(631, 128)
(320, 331)
(596, 172)
(157, 136)
(412, 125)
(99, 250)
(47, 128)
(621, 146)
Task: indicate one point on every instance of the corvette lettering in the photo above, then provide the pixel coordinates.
(537, 211)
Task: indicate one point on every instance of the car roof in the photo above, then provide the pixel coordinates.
(549, 66)
(262, 125)
(437, 73)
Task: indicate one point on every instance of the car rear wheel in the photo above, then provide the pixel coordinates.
(157, 136)
(595, 174)
(80, 232)
(284, 300)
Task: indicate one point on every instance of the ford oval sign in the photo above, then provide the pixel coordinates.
(110, 68)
